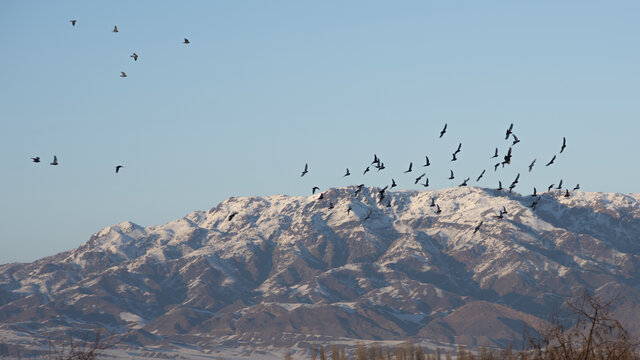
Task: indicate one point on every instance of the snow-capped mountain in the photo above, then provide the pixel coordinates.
(280, 270)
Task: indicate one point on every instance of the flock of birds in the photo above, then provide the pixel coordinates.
(378, 164)
(123, 74)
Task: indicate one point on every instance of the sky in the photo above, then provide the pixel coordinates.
(267, 86)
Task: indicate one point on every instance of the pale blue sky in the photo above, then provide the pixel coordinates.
(266, 86)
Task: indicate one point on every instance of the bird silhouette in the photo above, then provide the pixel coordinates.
(454, 157)
(438, 211)
(464, 183)
(517, 178)
(433, 202)
(550, 187)
(531, 165)
(427, 162)
(535, 193)
(115, 29)
(232, 215)
(376, 160)
(426, 182)
(475, 229)
(577, 187)
(444, 130)
(73, 22)
(495, 155)
(495, 167)
(347, 173)
(481, 175)
(186, 41)
(381, 166)
(504, 210)
(358, 189)
(36, 159)
(552, 160)
(366, 170)
(118, 168)
(55, 161)
(458, 149)
(349, 209)
(507, 158)
(500, 215)
(511, 187)
(419, 177)
(559, 185)
(321, 196)
(451, 177)
(410, 168)
(515, 139)
(306, 170)
(534, 203)
(393, 184)
(566, 194)
(499, 185)
(313, 189)
(134, 56)
(564, 144)
(123, 74)
(509, 131)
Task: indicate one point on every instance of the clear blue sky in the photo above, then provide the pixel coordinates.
(266, 86)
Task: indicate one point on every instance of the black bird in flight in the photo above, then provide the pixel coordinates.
(499, 185)
(504, 210)
(495, 167)
(186, 41)
(376, 160)
(427, 163)
(495, 155)
(134, 56)
(531, 165)
(511, 187)
(500, 215)
(389, 203)
(426, 182)
(577, 187)
(358, 189)
(451, 177)
(444, 130)
(517, 178)
(393, 184)
(306, 169)
(552, 160)
(433, 202)
(115, 29)
(347, 173)
(507, 158)
(313, 189)
(534, 192)
(366, 170)
(515, 139)
(464, 183)
(481, 175)
(36, 159)
(410, 168)
(535, 203)
(559, 185)
(55, 160)
(564, 144)
(123, 74)
(566, 194)
(509, 131)
(475, 229)
(232, 215)
(419, 177)
(550, 187)
(454, 157)
(458, 149)
(438, 211)
(321, 196)
(349, 209)
(381, 166)
(73, 22)
(118, 168)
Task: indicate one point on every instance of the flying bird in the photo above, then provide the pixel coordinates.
(73, 22)
(509, 131)
(534, 192)
(134, 56)
(381, 166)
(481, 175)
(376, 160)
(358, 189)
(427, 163)
(577, 187)
(550, 187)
(115, 29)
(419, 177)
(410, 168)
(36, 159)
(451, 177)
(552, 160)
(347, 173)
(444, 130)
(517, 178)
(118, 168)
(564, 144)
(186, 41)
(566, 194)
(531, 165)
(366, 170)
(55, 160)
(123, 74)
(500, 215)
(306, 170)
(499, 185)
(511, 187)
(454, 157)
(559, 185)
(393, 184)
(458, 149)
(438, 211)
(495, 167)
(534, 203)
(515, 139)
(433, 202)
(504, 210)
(313, 189)
(426, 182)
(232, 215)
(495, 155)
(464, 183)
(349, 209)
(475, 229)
(321, 196)
(507, 158)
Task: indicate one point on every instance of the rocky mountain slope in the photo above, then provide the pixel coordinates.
(281, 270)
